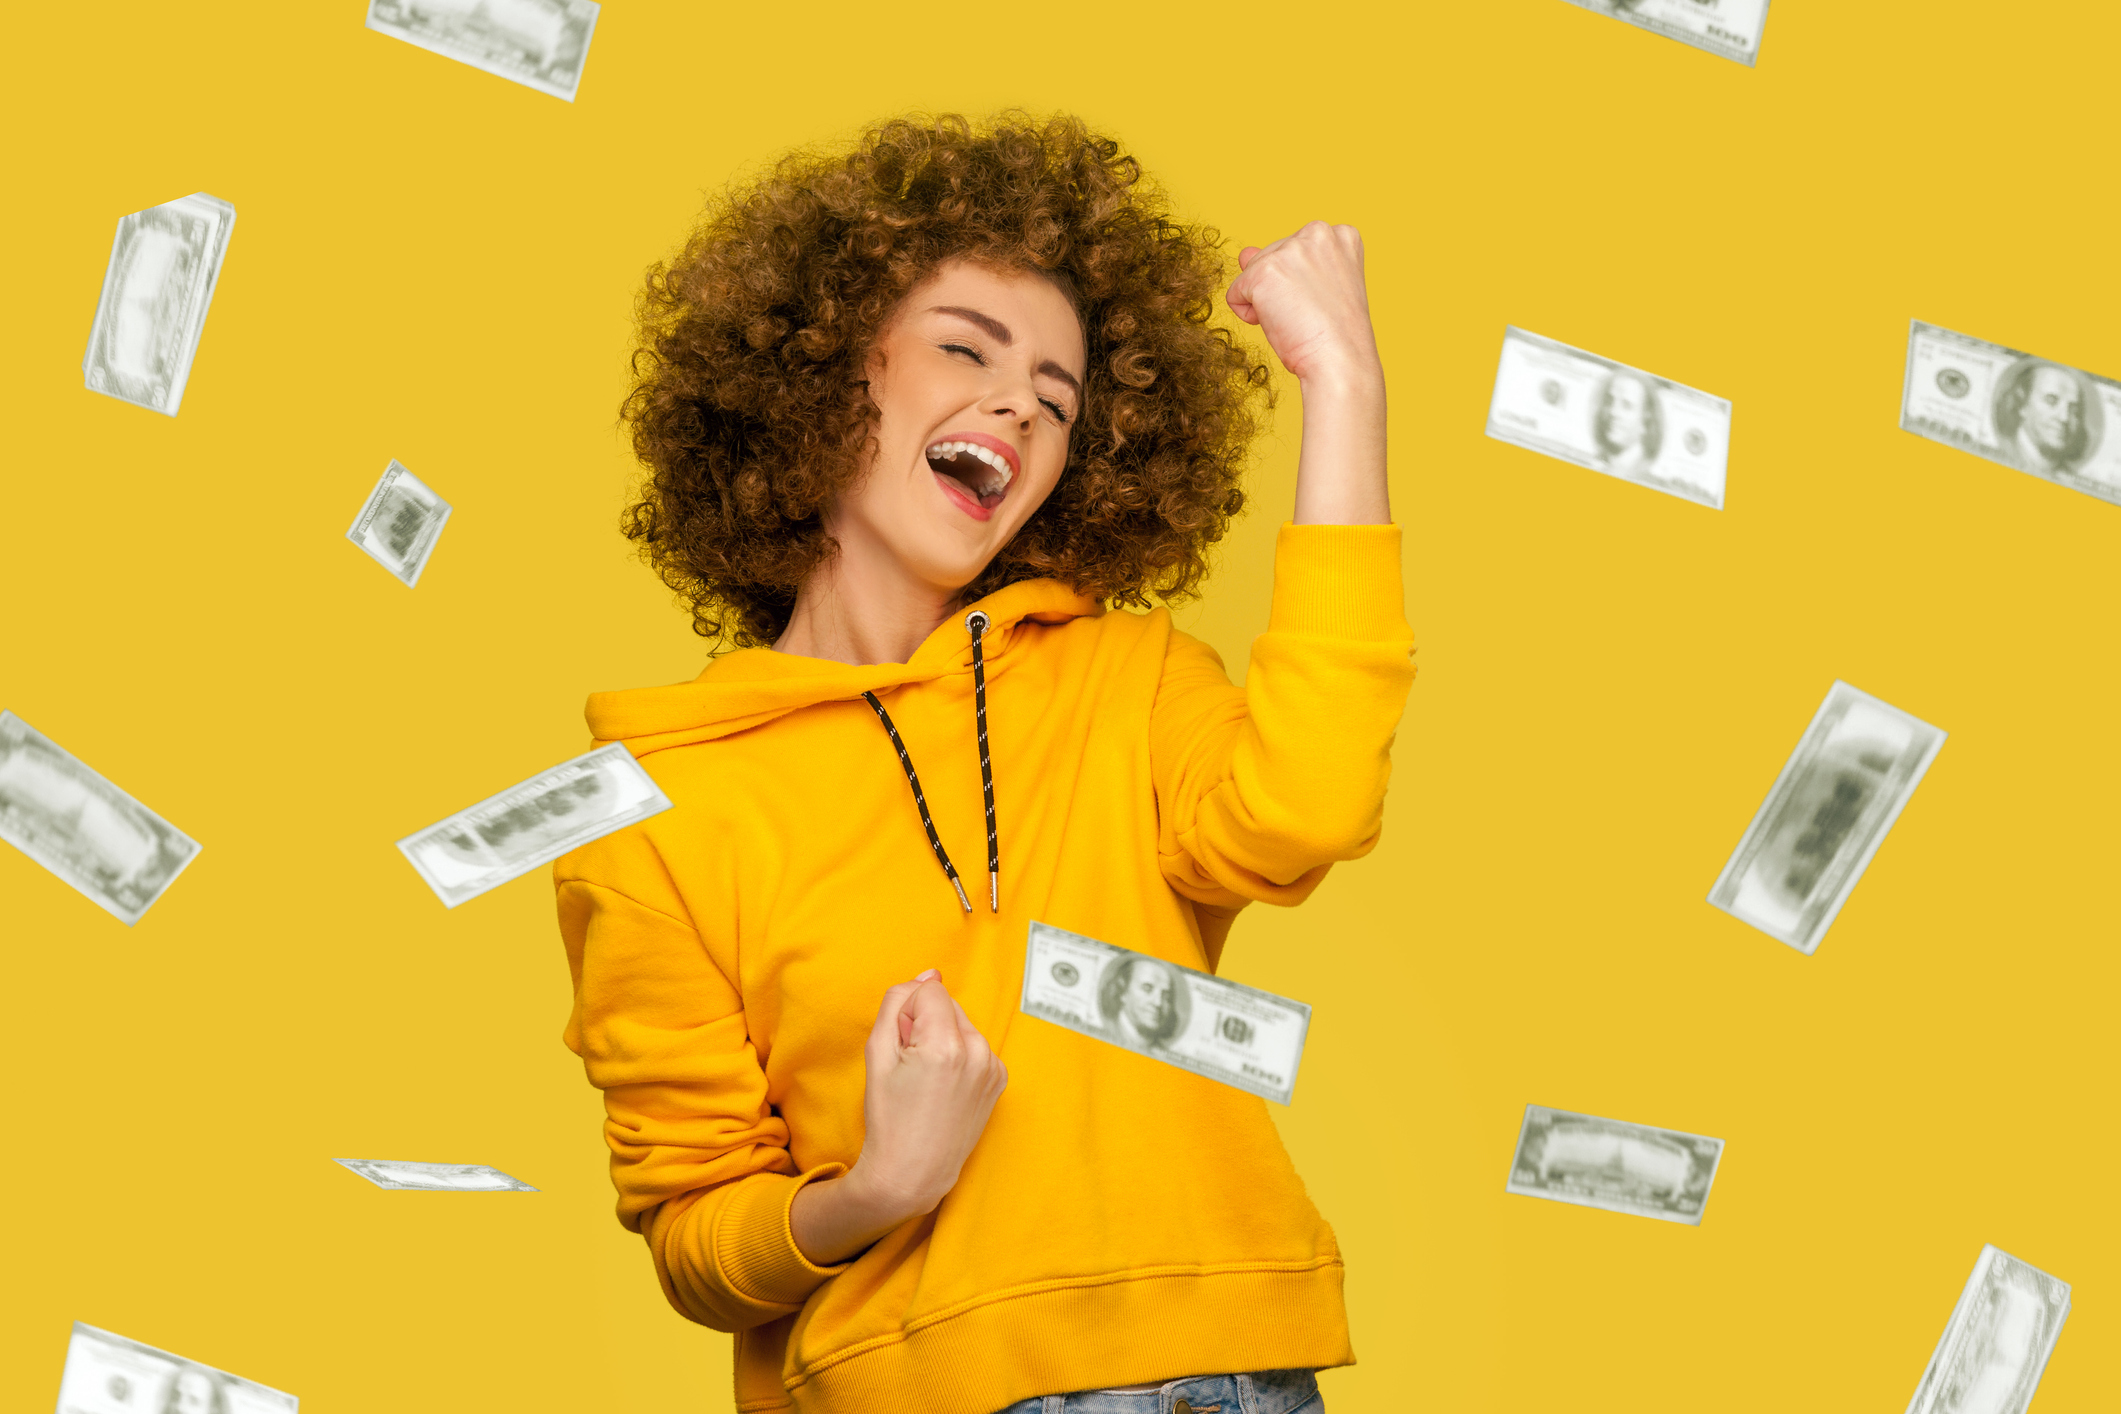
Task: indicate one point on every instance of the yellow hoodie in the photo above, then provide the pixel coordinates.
(1121, 1220)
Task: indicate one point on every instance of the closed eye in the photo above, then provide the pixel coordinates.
(1060, 414)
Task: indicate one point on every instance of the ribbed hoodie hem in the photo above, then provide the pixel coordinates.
(1057, 1336)
(1339, 581)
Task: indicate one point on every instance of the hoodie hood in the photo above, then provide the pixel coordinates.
(752, 686)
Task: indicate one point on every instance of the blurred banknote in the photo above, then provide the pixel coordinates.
(1727, 27)
(1611, 1164)
(1581, 408)
(108, 1374)
(399, 523)
(82, 828)
(1223, 1030)
(2047, 418)
(1997, 1342)
(163, 268)
(539, 43)
(1825, 816)
(447, 1178)
(510, 834)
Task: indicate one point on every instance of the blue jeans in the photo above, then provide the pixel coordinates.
(1268, 1392)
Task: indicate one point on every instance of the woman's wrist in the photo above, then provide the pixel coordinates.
(1355, 376)
(1340, 471)
(837, 1218)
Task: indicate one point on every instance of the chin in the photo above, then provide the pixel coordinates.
(953, 571)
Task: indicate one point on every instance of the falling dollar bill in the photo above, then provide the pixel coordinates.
(1581, 408)
(2045, 418)
(60, 813)
(163, 267)
(539, 43)
(1611, 1164)
(1224, 1030)
(108, 1374)
(399, 523)
(446, 1178)
(506, 836)
(1996, 1344)
(1727, 27)
(1825, 816)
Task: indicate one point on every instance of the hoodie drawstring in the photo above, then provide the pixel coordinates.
(942, 855)
(977, 623)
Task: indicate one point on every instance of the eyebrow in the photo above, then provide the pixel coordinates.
(1054, 370)
(999, 332)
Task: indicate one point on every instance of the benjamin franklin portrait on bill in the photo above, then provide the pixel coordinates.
(2047, 416)
(1627, 424)
(1143, 1002)
(195, 1391)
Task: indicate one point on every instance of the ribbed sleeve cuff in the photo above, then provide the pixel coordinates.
(1339, 581)
(755, 1246)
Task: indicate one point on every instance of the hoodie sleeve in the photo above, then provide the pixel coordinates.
(699, 1157)
(1260, 789)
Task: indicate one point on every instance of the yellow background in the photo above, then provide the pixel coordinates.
(437, 265)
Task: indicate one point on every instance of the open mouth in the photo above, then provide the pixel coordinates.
(980, 474)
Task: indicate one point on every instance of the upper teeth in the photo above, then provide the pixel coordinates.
(945, 450)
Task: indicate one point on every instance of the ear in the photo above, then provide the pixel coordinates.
(874, 368)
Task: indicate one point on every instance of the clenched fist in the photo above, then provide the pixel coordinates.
(1306, 293)
(932, 1082)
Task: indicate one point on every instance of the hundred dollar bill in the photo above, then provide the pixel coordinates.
(506, 836)
(1224, 1030)
(1611, 1164)
(163, 267)
(2045, 418)
(1825, 816)
(108, 1374)
(1997, 1342)
(60, 813)
(1581, 408)
(1727, 27)
(452, 1178)
(539, 43)
(399, 523)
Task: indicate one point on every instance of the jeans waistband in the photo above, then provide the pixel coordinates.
(1265, 1392)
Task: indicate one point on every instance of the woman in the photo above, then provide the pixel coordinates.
(913, 416)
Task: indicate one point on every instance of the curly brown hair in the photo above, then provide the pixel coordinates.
(750, 407)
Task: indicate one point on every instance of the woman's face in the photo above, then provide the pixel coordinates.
(978, 378)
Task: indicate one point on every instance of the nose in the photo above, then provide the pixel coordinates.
(1012, 398)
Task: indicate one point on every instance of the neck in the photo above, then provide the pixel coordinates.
(858, 608)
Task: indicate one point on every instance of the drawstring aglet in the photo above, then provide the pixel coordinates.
(994, 892)
(961, 893)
